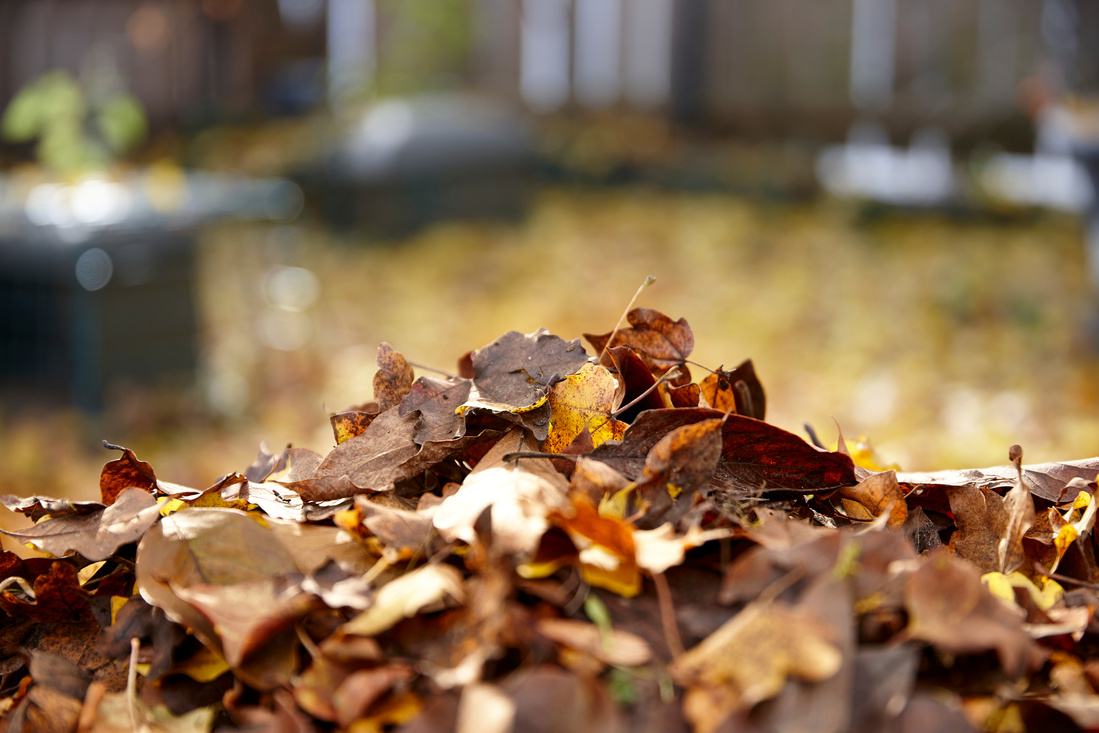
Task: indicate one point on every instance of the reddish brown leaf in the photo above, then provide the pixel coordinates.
(754, 455)
(685, 396)
(660, 342)
(393, 379)
(981, 520)
(638, 380)
(682, 462)
(58, 597)
(124, 473)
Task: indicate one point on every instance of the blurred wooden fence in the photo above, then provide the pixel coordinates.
(768, 66)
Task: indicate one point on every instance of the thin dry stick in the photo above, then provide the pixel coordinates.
(448, 375)
(663, 378)
(131, 682)
(1064, 578)
(648, 281)
(667, 615)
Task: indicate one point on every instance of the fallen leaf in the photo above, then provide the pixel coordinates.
(349, 423)
(680, 463)
(406, 596)
(637, 382)
(618, 647)
(124, 473)
(514, 372)
(438, 402)
(738, 390)
(1045, 480)
(880, 493)
(950, 608)
(519, 494)
(96, 535)
(660, 342)
(266, 464)
(393, 380)
(750, 657)
(755, 456)
(583, 401)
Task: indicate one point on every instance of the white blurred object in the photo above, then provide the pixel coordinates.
(868, 167)
(1051, 180)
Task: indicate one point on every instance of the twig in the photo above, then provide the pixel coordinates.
(667, 615)
(663, 377)
(1064, 578)
(536, 454)
(131, 682)
(448, 375)
(648, 281)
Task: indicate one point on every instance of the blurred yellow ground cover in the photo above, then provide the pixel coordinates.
(944, 341)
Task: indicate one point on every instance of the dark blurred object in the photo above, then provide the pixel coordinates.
(97, 277)
(74, 317)
(417, 160)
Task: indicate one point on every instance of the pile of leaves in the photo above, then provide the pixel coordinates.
(552, 540)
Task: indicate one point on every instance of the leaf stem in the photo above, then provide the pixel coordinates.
(648, 281)
(667, 615)
(432, 369)
(663, 377)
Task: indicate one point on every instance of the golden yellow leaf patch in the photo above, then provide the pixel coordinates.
(583, 400)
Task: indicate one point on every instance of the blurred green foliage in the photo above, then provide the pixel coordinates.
(73, 133)
(427, 45)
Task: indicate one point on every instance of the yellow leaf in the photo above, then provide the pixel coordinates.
(1003, 587)
(583, 400)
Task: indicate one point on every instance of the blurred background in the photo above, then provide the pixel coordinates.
(212, 211)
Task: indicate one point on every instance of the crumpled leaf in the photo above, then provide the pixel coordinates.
(266, 464)
(393, 379)
(607, 553)
(1045, 480)
(681, 462)
(583, 400)
(754, 455)
(384, 454)
(96, 535)
(737, 390)
(438, 402)
(521, 494)
(660, 342)
(879, 493)
(514, 372)
(241, 605)
(1019, 507)
(123, 473)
